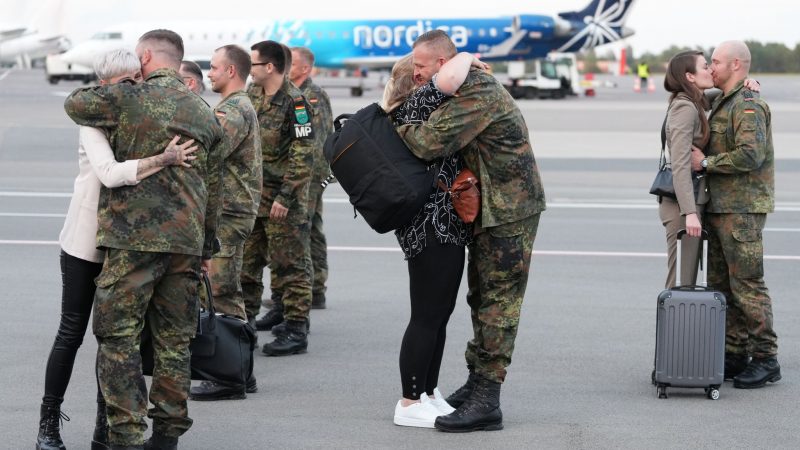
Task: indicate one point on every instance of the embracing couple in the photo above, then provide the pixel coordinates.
(450, 111)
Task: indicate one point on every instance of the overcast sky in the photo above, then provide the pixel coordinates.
(658, 23)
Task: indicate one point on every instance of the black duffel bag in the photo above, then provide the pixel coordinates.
(386, 183)
(222, 349)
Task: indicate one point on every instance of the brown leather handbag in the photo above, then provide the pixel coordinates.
(465, 194)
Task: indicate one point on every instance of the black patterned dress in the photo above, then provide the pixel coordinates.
(437, 215)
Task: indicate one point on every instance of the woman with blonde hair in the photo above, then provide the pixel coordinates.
(433, 244)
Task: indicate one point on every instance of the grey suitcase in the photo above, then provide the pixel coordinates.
(690, 335)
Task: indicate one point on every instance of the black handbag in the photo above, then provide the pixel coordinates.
(222, 349)
(662, 185)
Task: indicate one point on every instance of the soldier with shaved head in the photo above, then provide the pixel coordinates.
(740, 169)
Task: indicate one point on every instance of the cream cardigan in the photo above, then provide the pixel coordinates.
(96, 165)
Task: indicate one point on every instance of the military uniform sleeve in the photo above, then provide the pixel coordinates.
(234, 130)
(301, 154)
(454, 124)
(327, 115)
(749, 120)
(680, 122)
(96, 106)
(214, 204)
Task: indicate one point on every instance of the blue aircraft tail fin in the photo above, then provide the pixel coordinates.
(615, 8)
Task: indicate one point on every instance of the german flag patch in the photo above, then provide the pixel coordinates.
(220, 113)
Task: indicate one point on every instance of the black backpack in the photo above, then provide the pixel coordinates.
(386, 183)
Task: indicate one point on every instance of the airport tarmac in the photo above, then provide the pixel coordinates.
(580, 378)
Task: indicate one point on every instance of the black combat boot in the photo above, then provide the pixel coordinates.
(210, 391)
(462, 394)
(273, 317)
(281, 327)
(160, 442)
(734, 364)
(294, 340)
(100, 435)
(49, 437)
(758, 373)
(318, 301)
(481, 411)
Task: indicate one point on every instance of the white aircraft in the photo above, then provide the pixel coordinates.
(21, 44)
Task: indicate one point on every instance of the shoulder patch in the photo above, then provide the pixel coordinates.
(300, 111)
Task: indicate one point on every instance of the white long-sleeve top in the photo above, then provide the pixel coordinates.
(97, 166)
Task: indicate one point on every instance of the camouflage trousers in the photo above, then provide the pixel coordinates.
(319, 245)
(161, 287)
(226, 265)
(285, 247)
(736, 268)
(497, 275)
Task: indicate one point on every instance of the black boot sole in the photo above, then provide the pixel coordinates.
(268, 352)
(476, 427)
(763, 383)
(211, 398)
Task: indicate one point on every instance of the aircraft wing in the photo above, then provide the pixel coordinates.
(12, 33)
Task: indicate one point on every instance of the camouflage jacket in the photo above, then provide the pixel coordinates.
(177, 209)
(241, 153)
(483, 122)
(322, 118)
(741, 161)
(287, 148)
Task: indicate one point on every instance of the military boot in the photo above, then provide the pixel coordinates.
(318, 300)
(462, 394)
(160, 442)
(481, 411)
(210, 391)
(273, 317)
(49, 437)
(758, 373)
(100, 435)
(281, 327)
(734, 364)
(294, 340)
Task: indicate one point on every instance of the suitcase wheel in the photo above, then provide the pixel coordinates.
(712, 393)
(662, 392)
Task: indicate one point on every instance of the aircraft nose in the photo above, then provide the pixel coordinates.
(627, 31)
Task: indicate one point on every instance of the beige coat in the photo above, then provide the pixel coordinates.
(683, 130)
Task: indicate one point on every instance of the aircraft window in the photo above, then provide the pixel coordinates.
(333, 35)
(493, 32)
(205, 36)
(191, 36)
(221, 36)
(346, 35)
(469, 32)
(115, 35)
(104, 36)
(481, 32)
(319, 34)
(233, 36)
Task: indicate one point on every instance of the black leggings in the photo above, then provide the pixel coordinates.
(77, 296)
(434, 275)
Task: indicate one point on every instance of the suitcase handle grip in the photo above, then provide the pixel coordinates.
(703, 234)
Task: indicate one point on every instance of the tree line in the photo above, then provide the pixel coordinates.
(766, 58)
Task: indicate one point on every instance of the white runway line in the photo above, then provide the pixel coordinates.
(35, 194)
(31, 215)
(535, 252)
(4, 74)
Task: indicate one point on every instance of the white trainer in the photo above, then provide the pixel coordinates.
(439, 402)
(422, 414)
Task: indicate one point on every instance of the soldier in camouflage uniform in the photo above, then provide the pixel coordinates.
(241, 194)
(280, 236)
(741, 181)
(155, 234)
(322, 118)
(483, 122)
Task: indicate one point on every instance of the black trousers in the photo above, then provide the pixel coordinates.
(434, 275)
(77, 296)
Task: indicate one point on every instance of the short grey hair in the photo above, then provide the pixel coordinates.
(116, 63)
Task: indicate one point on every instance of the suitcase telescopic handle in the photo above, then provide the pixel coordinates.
(703, 234)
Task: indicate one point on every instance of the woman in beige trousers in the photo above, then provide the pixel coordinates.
(688, 76)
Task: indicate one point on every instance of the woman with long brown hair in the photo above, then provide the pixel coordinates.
(688, 76)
